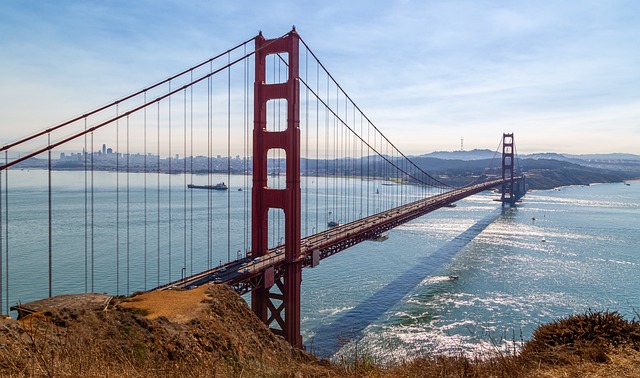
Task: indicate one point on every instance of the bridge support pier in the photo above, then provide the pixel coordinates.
(277, 302)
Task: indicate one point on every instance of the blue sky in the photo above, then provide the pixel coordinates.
(564, 76)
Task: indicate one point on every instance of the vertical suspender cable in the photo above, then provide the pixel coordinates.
(362, 169)
(317, 229)
(340, 162)
(92, 221)
(368, 166)
(277, 70)
(337, 155)
(158, 198)
(50, 218)
(184, 189)
(128, 208)
(326, 159)
(144, 179)
(191, 180)
(209, 168)
(375, 173)
(86, 211)
(349, 154)
(229, 158)
(341, 146)
(354, 167)
(336, 160)
(306, 146)
(6, 231)
(117, 202)
(245, 152)
(349, 162)
(346, 197)
(1, 248)
(170, 158)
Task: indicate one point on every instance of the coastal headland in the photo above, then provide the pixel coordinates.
(210, 331)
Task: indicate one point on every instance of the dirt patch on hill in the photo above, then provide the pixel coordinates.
(178, 306)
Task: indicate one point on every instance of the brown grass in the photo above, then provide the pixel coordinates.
(594, 344)
(214, 334)
(211, 332)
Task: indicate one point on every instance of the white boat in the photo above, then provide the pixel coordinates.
(380, 238)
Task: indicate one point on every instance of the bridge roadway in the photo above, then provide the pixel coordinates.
(245, 275)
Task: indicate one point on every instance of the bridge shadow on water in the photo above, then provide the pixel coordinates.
(349, 326)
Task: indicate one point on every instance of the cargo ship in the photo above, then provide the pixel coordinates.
(218, 186)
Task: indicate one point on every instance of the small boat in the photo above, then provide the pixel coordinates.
(380, 238)
(218, 186)
(450, 205)
(543, 239)
(239, 189)
(453, 278)
(333, 224)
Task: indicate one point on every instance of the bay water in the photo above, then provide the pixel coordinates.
(485, 276)
(469, 279)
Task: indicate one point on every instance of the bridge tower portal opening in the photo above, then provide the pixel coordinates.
(277, 301)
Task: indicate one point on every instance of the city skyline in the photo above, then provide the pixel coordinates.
(561, 75)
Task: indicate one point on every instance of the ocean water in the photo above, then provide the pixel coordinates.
(396, 299)
(391, 299)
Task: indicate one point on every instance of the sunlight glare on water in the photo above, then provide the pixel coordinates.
(579, 252)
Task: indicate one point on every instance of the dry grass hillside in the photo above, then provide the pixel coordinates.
(211, 332)
(206, 332)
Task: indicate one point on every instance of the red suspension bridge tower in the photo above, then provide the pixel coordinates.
(277, 301)
(514, 187)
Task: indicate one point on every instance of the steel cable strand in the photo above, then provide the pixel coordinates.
(381, 155)
(367, 118)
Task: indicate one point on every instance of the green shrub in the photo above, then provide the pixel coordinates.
(587, 335)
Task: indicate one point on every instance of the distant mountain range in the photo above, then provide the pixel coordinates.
(488, 154)
(543, 170)
(457, 168)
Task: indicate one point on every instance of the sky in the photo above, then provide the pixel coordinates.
(564, 76)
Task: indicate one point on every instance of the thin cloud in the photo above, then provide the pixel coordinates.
(439, 70)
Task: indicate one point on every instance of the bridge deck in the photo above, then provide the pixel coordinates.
(246, 275)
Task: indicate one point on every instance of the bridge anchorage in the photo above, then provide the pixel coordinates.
(132, 234)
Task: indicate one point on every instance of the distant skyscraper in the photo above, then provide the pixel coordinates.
(104, 148)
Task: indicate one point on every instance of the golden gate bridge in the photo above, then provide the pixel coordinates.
(304, 174)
